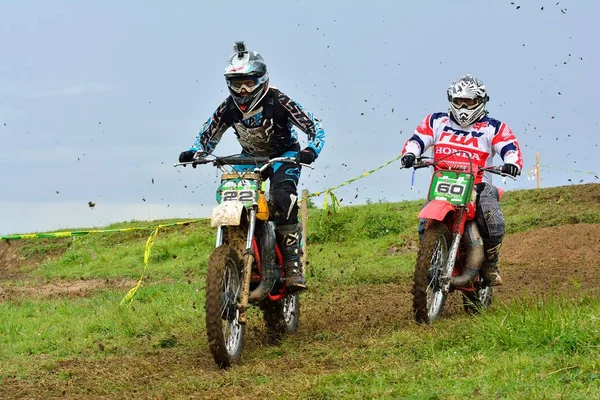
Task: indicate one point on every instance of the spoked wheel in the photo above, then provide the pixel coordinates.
(477, 300)
(223, 288)
(428, 297)
(281, 317)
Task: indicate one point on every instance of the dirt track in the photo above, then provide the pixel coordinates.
(559, 259)
(542, 262)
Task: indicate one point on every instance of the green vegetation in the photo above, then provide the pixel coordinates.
(529, 209)
(356, 337)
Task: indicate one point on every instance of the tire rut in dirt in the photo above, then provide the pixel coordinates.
(435, 231)
(474, 302)
(275, 314)
(222, 257)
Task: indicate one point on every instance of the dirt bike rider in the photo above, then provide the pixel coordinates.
(262, 118)
(467, 128)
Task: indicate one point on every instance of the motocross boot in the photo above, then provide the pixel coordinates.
(490, 273)
(288, 239)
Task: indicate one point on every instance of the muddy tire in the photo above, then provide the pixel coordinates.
(281, 317)
(428, 299)
(477, 300)
(223, 288)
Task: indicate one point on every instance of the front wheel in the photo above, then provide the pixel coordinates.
(428, 297)
(223, 288)
(477, 300)
(281, 317)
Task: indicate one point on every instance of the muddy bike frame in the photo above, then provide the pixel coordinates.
(442, 201)
(450, 213)
(247, 200)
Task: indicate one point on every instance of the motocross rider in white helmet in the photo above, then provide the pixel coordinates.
(466, 134)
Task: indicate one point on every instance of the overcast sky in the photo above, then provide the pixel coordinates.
(97, 99)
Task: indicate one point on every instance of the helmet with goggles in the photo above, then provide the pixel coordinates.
(247, 77)
(467, 97)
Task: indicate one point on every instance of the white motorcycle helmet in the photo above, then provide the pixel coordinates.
(467, 97)
(247, 77)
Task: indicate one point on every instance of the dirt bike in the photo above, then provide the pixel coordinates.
(247, 265)
(451, 251)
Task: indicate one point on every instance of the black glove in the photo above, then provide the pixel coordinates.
(306, 156)
(408, 160)
(187, 156)
(510, 169)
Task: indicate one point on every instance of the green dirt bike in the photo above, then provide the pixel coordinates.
(246, 266)
(451, 251)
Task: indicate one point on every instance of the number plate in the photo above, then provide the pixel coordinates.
(454, 187)
(244, 190)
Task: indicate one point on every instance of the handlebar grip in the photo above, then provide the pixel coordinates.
(493, 170)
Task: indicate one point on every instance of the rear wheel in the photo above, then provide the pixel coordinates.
(428, 297)
(223, 288)
(281, 317)
(477, 300)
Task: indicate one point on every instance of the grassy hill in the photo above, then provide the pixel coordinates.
(64, 334)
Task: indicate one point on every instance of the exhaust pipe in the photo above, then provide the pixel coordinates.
(475, 256)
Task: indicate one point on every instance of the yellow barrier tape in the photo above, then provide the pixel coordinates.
(335, 203)
(355, 179)
(128, 299)
(52, 235)
(572, 170)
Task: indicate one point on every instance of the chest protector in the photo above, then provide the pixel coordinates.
(271, 109)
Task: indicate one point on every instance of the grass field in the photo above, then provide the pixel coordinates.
(63, 333)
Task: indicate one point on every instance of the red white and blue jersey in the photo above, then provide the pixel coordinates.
(456, 144)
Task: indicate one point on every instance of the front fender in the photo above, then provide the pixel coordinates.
(227, 213)
(436, 209)
(500, 193)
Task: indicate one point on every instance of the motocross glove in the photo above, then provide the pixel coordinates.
(510, 169)
(408, 160)
(306, 156)
(187, 156)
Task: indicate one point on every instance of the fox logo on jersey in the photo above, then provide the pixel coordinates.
(480, 125)
(457, 136)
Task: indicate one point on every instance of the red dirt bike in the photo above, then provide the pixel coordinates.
(451, 251)
(246, 265)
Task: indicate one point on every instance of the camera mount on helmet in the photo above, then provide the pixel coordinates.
(240, 48)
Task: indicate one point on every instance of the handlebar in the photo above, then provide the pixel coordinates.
(424, 162)
(262, 162)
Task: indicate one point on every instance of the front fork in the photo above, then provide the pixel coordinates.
(248, 260)
(460, 218)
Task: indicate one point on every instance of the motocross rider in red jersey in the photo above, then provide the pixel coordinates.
(464, 135)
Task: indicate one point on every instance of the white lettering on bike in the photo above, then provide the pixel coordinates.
(231, 195)
(458, 153)
(456, 189)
